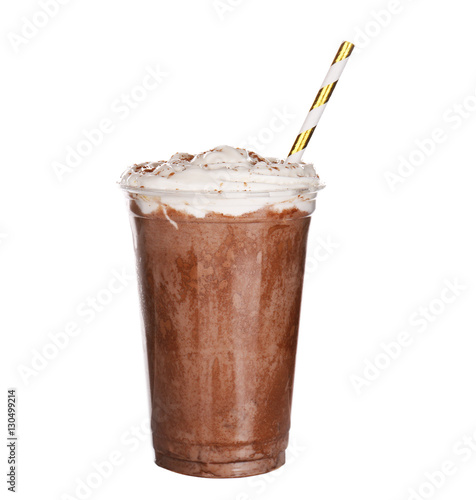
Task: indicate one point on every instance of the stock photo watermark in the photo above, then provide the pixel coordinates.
(12, 454)
(453, 118)
(379, 20)
(31, 26)
(280, 120)
(462, 452)
(86, 312)
(258, 485)
(224, 7)
(102, 470)
(419, 322)
(320, 250)
(120, 109)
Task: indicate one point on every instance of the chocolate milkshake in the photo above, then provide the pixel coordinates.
(220, 240)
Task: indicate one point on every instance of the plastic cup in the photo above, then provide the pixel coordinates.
(220, 298)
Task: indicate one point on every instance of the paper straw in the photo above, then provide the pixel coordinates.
(320, 102)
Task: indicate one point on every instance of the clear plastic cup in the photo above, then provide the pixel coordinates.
(220, 298)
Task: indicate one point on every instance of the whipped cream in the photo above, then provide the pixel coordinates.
(226, 180)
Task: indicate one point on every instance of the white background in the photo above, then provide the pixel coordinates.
(376, 254)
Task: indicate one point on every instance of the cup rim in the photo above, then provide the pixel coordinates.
(292, 193)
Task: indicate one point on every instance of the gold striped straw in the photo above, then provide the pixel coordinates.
(323, 96)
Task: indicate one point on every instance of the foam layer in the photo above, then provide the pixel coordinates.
(225, 180)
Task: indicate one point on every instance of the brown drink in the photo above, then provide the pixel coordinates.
(220, 295)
